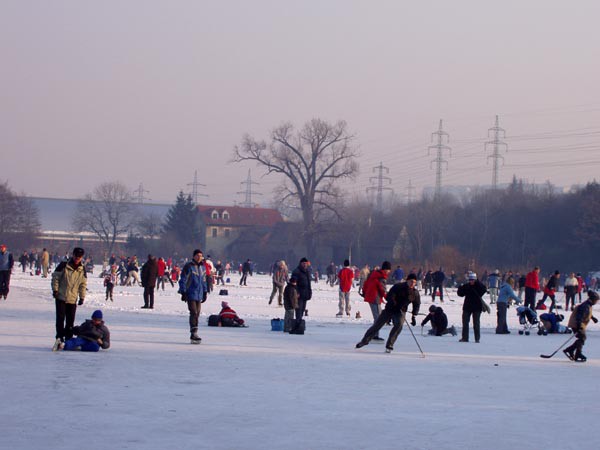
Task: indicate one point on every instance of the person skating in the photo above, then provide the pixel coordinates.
(192, 287)
(345, 277)
(92, 335)
(279, 279)
(149, 275)
(472, 291)
(398, 299)
(374, 291)
(550, 292)
(290, 304)
(439, 322)
(69, 283)
(505, 294)
(110, 281)
(578, 322)
(6, 264)
(302, 275)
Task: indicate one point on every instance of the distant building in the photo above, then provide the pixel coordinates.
(222, 225)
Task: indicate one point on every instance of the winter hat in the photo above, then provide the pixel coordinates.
(411, 276)
(97, 314)
(78, 252)
(432, 308)
(472, 276)
(593, 296)
(224, 304)
(197, 251)
(293, 280)
(386, 265)
(303, 260)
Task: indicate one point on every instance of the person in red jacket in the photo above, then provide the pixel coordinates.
(229, 317)
(345, 276)
(532, 286)
(374, 291)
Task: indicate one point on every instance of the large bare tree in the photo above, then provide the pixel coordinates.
(312, 161)
(107, 212)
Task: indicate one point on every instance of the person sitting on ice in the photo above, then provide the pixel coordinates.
(91, 335)
(550, 324)
(439, 322)
(229, 317)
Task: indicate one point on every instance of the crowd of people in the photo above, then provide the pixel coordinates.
(196, 277)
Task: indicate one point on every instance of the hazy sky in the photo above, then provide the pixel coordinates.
(149, 91)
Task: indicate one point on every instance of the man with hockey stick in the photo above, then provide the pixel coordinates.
(580, 317)
(398, 298)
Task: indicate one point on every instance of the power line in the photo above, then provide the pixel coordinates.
(497, 144)
(139, 194)
(248, 192)
(440, 135)
(195, 184)
(380, 188)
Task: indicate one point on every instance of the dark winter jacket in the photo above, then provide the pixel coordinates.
(290, 297)
(192, 282)
(438, 277)
(303, 283)
(581, 316)
(439, 320)
(6, 261)
(247, 268)
(91, 332)
(472, 294)
(149, 273)
(400, 296)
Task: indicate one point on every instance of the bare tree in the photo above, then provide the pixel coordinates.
(19, 218)
(312, 160)
(107, 212)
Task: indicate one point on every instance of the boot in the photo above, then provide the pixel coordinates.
(194, 336)
(569, 353)
(580, 357)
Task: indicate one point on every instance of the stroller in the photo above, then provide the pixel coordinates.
(527, 318)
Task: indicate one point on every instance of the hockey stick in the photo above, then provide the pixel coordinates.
(414, 337)
(448, 294)
(556, 351)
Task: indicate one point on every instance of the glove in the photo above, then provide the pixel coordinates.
(55, 294)
(184, 297)
(413, 321)
(594, 319)
(204, 296)
(80, 302)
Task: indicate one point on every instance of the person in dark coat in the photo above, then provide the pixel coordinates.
(437, 280)
(91, 335)
(149, 276)
(439, 322)
(550, 292)
(303, 285)
(193, 290)
(580, 317)
(472, 291)
(246, 269)
(290, 304)
(6, 264)
(398, 298)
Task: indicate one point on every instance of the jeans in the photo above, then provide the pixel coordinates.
(375, 310)
(384, 317)
(65, 318)
(501, 327)
(149, 297)
(78, 342)
(194, 308)
(344, 303)
(276, 289)
(466, 315)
